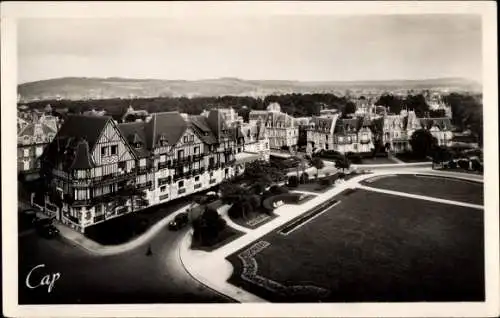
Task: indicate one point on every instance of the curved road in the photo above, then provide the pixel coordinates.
(129, 277)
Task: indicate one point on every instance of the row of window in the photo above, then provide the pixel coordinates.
(109, 150)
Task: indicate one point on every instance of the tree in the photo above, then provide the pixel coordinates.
(208, 226)
(293, 181)
(422, 142)
(342, 163)
(350, 108)
(317, 163)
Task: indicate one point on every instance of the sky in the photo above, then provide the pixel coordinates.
(307, 48)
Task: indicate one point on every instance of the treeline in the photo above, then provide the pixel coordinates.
(395, 103)
(297, 105)
(467, 112)
(467, 109)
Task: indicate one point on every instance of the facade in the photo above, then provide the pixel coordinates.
(283, 130)
(33, 136)
(353, 135)
(398, 129)
(320, 131)
(96, 169)
(256, 139)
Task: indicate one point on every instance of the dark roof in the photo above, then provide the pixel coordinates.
(82, 159)
(441, 123)
(84, 126)
(64, 151)
(200, 126)
(168, 126)
(343, 125)
(135, 135)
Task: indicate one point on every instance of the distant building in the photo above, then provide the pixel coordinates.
(256, 139)
(32, 137)
(282, 128)
(136, 114)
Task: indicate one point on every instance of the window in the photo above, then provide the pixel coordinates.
(211, 174)
(104, 151)
(197, 178)
(196, 150)
(142, 162)
(26, 152)
(191, 138)
(162, 158)
(114, 150)
(122, 165)
(185, 138)
(181, 184)
(180, 154)
(163, 188)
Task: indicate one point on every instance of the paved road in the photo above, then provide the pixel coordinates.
(131, 277)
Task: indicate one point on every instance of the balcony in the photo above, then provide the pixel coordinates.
(112, 178)
(198, 157)
(164, 181)
(163, 165)
(144, 186)
(99, 218)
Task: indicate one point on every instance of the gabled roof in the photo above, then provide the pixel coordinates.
(135, 135)
(200, 126)
(65, 149)
(169, 126)
(83, 126)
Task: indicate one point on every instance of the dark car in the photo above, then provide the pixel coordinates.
(28, 216)
(45, 228)
(179, 221)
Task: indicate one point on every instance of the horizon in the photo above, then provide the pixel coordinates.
(263, 80)
(295, 48)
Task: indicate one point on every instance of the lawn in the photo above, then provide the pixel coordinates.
(438, 187)
(377, 161)
(370, 247)
(410, 157)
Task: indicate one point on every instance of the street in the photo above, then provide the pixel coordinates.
(131, 277)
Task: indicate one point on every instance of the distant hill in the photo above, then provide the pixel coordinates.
(78, 88)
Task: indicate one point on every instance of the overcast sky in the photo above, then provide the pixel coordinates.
(311, 48)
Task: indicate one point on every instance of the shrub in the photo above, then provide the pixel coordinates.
(293, 181)
(452, 164)
(278, 190)
(326, 182)
(464, 164)
(476, 165)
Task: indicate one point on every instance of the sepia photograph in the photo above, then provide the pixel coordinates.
(213, 157)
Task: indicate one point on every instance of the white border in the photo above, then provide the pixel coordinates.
(15, 10)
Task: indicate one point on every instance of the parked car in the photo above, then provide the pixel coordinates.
(179, 221)
(45, 228)
(29, 216)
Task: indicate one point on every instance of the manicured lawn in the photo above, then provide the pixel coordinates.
(371, 247)
(438, 187)
(377, 161)
(409, 158)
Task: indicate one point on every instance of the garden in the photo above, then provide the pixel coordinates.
(369, 247)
